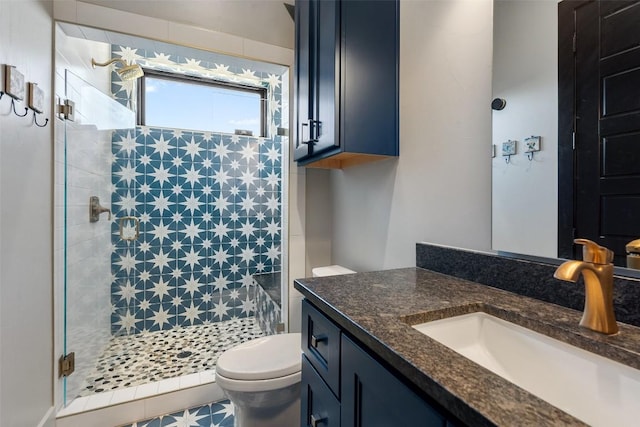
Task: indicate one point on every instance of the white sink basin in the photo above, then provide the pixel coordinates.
(594, 389)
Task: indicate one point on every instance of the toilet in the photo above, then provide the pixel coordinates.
(261, 377)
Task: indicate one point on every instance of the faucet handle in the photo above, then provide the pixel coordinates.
(594, 253)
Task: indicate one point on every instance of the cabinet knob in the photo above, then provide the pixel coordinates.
(316, 339)
(315, 420)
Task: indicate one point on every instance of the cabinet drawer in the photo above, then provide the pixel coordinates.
(319, 407)
(321, 345)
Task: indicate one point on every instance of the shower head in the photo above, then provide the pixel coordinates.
(126, 72)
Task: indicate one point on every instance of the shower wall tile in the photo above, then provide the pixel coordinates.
(209, 206)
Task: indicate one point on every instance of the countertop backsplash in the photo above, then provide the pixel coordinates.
(529, 278)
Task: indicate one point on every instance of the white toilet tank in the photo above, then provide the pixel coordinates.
(330, 270)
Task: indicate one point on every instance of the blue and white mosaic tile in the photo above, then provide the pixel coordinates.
(218, 414)
(209, 207)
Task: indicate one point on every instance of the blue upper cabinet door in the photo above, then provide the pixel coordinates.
(369, 102)
(327, 81)
(317, 48)
(303, 78)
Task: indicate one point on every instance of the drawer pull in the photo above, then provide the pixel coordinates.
(316, 339)
(315, 421)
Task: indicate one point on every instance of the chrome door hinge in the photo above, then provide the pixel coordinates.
(67, 110)
(66, 365)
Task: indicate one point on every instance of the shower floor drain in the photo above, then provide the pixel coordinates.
(184, 354)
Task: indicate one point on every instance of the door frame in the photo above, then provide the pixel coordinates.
(566, 126)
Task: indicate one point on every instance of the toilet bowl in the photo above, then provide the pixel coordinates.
(261, 377)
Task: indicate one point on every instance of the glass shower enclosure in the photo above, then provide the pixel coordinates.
(85, 182)
(169, 242)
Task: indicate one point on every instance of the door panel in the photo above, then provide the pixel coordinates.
(607, 124)
(302, 89)
(327, 77)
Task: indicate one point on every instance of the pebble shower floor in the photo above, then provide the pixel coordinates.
(138, 359)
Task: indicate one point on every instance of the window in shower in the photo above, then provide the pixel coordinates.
(186, 102)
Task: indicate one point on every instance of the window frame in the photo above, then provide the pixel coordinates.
(182, 78)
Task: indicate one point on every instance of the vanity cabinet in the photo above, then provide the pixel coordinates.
(346, 81)
(366, 393)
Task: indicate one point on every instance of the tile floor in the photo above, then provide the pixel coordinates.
(153, 356)
(218, 414)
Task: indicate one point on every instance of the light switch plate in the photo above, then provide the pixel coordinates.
(532, 144)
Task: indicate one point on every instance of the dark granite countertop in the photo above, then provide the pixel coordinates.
(378, 308)
(270, 282)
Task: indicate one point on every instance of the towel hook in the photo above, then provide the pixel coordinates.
(35, 120)
(13, 105)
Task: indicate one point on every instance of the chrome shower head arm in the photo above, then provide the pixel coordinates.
(95, 64)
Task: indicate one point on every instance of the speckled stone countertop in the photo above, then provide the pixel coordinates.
(378, 308)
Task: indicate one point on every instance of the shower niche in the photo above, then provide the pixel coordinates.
(165, 279)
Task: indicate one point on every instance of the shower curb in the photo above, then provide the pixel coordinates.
(153, 405)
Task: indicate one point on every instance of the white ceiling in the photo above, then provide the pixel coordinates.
(263, 20)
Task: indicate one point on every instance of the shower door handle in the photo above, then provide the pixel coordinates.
(136, 221)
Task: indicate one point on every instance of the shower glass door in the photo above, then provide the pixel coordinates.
(99, 172)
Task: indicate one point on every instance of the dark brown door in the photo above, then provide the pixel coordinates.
(606, 122)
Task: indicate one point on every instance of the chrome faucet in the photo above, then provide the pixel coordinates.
(597, 270)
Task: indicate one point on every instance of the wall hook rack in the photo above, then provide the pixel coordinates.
(508, 150)
(532, 144)
(13, 105)
(35, 120)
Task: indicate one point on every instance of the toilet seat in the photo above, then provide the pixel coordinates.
(256, 386)
(263, 359)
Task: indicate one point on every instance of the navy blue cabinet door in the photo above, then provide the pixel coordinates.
(327, 77)
(319, 407)
(303, 88)
(373, 397)
(317, 66)
(369, 97)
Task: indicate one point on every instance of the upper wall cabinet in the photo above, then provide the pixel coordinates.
(346, 83)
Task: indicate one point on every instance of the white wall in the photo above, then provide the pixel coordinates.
(319, 219)
(246, 18)
(173, 32)
(439, 190)
(26, 344)
(525, 193)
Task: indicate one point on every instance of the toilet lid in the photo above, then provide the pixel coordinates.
(263, 358)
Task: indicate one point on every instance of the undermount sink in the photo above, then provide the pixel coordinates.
(592, 388)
